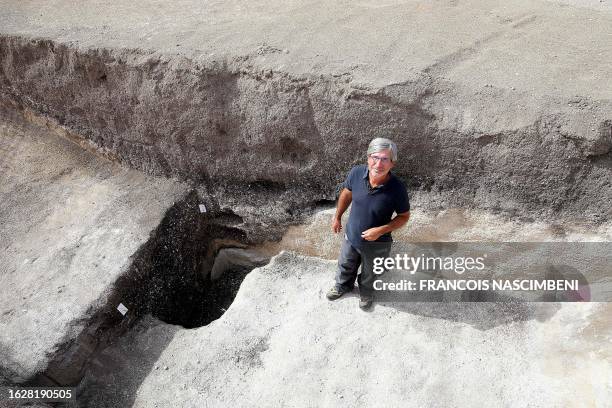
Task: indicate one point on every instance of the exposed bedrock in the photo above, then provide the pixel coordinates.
(81, 236)
(249, 128)
(281, 344)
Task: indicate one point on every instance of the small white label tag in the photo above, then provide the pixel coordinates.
(122, 309)
(202, 208)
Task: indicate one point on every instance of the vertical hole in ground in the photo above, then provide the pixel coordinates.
(198, 265)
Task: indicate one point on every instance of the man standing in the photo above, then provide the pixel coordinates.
(376, 194)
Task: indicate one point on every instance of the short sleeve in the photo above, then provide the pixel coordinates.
(402, 202)
(348, 183)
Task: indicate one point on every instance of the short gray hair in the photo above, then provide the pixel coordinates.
(380, 143)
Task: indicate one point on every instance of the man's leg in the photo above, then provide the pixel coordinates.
(348, 263)
(367, 276)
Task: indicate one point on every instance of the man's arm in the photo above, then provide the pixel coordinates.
(399, 221)
(345, 199)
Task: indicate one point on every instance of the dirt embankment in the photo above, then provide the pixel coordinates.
(248, 129)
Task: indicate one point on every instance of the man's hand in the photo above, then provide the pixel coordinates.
(346, 196)
(399, 221)
(372, 234)
(336, 225)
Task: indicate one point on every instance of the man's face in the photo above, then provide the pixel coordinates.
(380, 163)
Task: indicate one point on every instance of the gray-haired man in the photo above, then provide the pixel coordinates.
(376, 194)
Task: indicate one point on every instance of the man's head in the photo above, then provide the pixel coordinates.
(382, 155)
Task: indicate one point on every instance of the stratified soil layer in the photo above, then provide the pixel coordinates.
(496, 105)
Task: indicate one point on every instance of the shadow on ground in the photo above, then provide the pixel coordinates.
(114, 376)
(482, 316)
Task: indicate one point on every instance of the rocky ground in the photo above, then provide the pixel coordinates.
(71, 221)
(280, 323)
(281, 343)
(140, 139)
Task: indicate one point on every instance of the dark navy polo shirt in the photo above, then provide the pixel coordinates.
(373, 207)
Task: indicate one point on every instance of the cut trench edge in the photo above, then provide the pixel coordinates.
(168, 278)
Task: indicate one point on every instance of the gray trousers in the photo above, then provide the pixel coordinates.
(349, 261)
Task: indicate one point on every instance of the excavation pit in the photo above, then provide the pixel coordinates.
(191, 298)
(477, 127)
(83, 237)
(183, 281)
